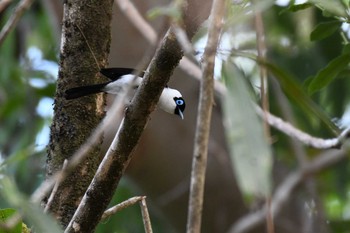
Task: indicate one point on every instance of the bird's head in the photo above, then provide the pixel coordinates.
(172, 102)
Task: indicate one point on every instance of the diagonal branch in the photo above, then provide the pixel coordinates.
(130, 11)
(111, 169)
(304, 138)
(16, 15)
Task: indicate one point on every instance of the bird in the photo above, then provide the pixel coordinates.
(171, 100)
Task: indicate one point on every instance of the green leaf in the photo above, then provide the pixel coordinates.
(294, 91)
(331, 7)
(297, 7)
(346, 49)
(329, 73)
(30, 211)
(6, 214)
(170, 11)
(252, 163)
(325, 29)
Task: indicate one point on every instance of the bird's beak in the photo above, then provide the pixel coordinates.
(181, 114)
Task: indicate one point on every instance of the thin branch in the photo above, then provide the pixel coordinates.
(305, 138)
(4, 4)
(132, 201)
(130, 11)
(55, 188)
(111, 211)
(285, 189)
(145, 216)
(16, 15)
(82, 153)
(261, 49)
(206, 100)
(183, 39)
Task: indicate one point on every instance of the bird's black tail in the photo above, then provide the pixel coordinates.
(77, 92)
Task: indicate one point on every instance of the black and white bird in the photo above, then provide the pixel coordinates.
(170, 100)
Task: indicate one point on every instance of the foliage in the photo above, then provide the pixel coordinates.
(6, 214)
(313, 74)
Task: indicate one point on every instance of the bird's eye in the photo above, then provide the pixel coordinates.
(179, 102)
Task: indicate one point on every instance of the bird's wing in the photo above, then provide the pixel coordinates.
(116, 73)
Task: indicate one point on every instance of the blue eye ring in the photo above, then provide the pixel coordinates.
(179, 102)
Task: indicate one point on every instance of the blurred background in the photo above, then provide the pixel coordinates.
(241, 170)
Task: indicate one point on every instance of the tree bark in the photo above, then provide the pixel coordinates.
(84, 48)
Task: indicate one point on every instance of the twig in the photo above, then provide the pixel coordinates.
(183, 39)
(130, 11)
(264, 93)
(81, 154)
(305, 138)
(131, 201)
(54, 190)
(121, 206)
(285, 190)
(16, 15)
(145, 216)
(4, 4)
(261, 49)
(206, 100)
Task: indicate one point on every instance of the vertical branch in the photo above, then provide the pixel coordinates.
(203, 120)
(145, 216)
(261, 49)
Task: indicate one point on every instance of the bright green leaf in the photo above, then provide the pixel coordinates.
(6, 214)
(324, 30)
(327, 75)
(252, 163)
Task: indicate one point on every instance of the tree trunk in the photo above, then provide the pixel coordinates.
(85, 35)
